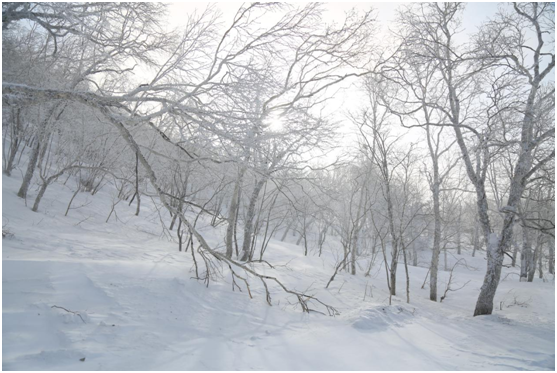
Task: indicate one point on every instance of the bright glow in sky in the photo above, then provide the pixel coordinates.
(349, 99)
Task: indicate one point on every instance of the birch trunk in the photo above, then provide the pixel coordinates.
(476, 239)
(36, 151)
(434, 268)
(534, 259)
(355, 237)
(525, 255)
(394, 240)
(515, 253)
(233, 215)
(248, 227)
(551, 264)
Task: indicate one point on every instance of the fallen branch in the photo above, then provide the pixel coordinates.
(303, 299)
(67, 310)
(104, 105)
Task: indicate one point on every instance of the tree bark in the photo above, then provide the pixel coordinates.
(248, 227)
(434, 268)
(476, 239)
(232, 215)
(551, 264)
(358, 224)
(515, 253)
(137, 185)
(290, 223)
(35, 152)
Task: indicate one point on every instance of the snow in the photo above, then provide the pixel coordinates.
(134, 305)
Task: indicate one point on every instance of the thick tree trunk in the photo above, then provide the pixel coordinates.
(248, 227)
(522, 168)
(33, 158)
(484, 305)
(434, 268)
(35, 153)
(394, 262)
(39, 197)
(515, 253)
(534, 259)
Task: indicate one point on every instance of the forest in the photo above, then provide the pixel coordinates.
(277, 155)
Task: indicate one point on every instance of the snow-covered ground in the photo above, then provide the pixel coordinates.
(134, 305)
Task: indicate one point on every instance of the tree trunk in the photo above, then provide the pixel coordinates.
(434, 268)
(484, 305)
(407, 275)
(525, 255)
(180, 234)
(22, 193)
(71, 200)
(540, 262)
(358, 224)
(290, 223)
(137, 185)
(232, 216)
(522, 168)
(534, 259)
(301, 234)
(394, 239)
(15, 140)
(39, 197)
(445, 264)
(515, 253)
(551, 264)
(476, 239)
(35, 152)
(322, 238)
(458, 232)
(248, 227)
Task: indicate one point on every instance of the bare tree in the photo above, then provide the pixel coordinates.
(433, 27)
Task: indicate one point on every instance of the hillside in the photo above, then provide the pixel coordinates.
(121, 296)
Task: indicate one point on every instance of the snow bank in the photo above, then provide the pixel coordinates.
(129, 303)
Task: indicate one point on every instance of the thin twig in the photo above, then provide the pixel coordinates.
(67, 310)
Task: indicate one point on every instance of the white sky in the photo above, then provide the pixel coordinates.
(350, 99)
(474, 14)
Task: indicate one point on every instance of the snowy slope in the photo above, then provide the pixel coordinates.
(135, 307)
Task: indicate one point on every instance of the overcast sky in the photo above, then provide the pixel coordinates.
(351, 99)
(475, 12)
